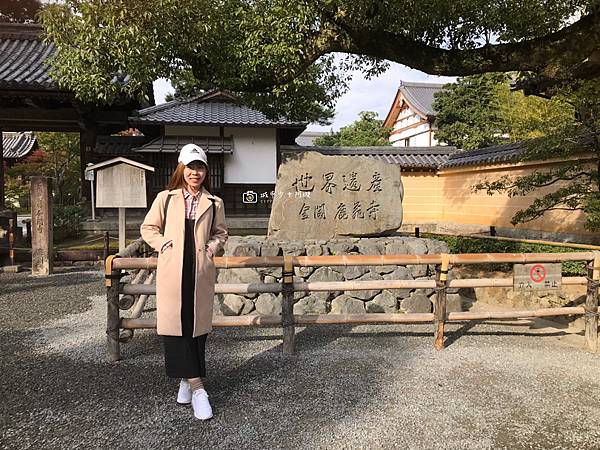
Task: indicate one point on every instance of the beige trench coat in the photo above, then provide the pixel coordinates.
(170, 261)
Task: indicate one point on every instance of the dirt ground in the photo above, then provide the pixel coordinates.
(517, 385)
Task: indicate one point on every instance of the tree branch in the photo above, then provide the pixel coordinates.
(559, 55)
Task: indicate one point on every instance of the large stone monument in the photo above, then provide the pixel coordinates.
(321, 197)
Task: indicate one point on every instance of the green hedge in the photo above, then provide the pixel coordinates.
(461, 244)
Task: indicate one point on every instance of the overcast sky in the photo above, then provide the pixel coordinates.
(376, 94)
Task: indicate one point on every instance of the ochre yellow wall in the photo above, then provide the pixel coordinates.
(447, 196)
(422, 197)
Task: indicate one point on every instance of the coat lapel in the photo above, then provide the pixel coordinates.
(204, 204)
(177, 207)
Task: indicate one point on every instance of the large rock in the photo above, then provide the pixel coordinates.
(396, 247)
(233, 304)
(383, 303)
(417, 270)
(314, 250)
(416, 246)
(247, 248)
(371, 247)
(248, 307)
(341, 247)
(238, 276)
(270, 248)
(416, 303)
(345, 304)
(352, 272)
(318, 197)
(268, 305)
(401, 273)
(311, 305)
(293, 248)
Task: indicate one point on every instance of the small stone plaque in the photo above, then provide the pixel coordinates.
(321, 197)
(537, 277)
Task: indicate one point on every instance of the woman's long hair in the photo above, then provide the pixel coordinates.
(178, 182)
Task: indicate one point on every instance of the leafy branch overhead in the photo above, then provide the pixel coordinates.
(572, 142)
(266, 46)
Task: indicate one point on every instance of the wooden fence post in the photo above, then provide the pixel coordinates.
(112, 310)
(591, 304)
(439, 310)
(287, 306)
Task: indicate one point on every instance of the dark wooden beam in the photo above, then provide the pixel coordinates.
(2, 201)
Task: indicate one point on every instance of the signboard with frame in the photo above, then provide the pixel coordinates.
(537, 277)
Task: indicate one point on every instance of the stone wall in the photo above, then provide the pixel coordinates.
(350, 302)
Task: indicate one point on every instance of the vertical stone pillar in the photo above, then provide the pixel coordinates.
(41, 226)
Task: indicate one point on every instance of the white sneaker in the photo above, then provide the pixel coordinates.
(202, 408)
(184, 396)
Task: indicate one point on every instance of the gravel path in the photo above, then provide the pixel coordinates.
(495, 386)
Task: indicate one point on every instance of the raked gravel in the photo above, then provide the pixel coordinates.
(347, 387)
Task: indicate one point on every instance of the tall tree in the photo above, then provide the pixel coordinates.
(574, 140)
(19, 10)
(57, 157)
(272, 46)
(366, 131)
(468, 112)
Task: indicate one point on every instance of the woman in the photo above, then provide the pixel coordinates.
(186, 226)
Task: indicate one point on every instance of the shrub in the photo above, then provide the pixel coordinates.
(461, 244)
(67, 222)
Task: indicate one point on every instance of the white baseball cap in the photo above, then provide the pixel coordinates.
(192, 152)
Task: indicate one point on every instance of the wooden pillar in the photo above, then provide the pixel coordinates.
(106, 251)
(591, 304)
(439, 310)
(113, 344)
(2, 200)
(287, 306)
(41, 226)
(122, 230)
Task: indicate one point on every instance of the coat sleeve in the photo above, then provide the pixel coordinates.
(153, 222)
(218, 234)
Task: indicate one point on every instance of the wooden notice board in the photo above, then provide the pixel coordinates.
(537, 277)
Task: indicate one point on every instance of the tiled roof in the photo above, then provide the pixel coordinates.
(118, 145)
(18, 145)
(172, 144)
(406, 157)
(488, 155)
(420, 95)
(22, 56)
(207, 110)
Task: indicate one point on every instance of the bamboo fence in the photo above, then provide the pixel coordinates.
(133, 295)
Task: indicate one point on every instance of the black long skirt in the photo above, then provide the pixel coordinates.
(185, 355)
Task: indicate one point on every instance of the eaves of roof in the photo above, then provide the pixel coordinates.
(22, 58)
(203, 110)
(18, 145)
(429, 158)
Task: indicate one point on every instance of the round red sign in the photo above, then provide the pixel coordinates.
(537, 273)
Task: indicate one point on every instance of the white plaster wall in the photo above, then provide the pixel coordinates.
(177, 130)
(254, 158)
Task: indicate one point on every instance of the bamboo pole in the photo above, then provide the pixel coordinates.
(142, 299)
(440, 302)
(322, 286)
(230, 262)
(376, 318)
(287, 307)
(591, 304)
